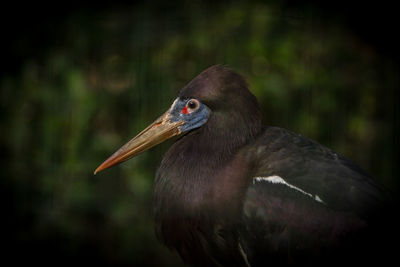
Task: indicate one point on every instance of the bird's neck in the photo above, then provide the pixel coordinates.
(194, 170)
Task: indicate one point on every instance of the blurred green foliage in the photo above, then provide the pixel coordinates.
(102, 76)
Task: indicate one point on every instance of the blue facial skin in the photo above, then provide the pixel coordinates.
(193, 119)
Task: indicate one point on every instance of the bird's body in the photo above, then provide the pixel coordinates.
(231, 192)
(281, 195)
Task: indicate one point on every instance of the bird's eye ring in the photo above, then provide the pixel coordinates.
(192, 104)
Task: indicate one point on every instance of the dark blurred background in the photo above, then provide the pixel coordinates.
(78, 81)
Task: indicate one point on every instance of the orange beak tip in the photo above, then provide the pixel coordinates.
(100, 168)
(96, 171)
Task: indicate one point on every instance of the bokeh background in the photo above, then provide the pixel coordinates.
(78, 81)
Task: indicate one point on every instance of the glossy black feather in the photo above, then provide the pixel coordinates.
(208, 207)
(284, 225)
(316, 169)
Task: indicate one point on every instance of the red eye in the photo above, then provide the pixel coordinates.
(191, 105)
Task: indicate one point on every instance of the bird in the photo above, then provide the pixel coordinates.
(233, 192)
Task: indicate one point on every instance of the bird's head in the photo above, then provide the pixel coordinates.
(217, 94)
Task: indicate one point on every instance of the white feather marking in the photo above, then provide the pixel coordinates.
(275, 179)
(244, 255)
(317, 198)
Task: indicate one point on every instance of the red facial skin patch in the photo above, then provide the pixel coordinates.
(184, 110)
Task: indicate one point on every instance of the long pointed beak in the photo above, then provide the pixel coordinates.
(157, 132)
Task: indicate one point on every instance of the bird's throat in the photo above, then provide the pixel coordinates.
(188, 179)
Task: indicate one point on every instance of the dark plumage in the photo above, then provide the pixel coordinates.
(233, 193)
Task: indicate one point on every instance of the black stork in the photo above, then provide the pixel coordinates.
(231, 192)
